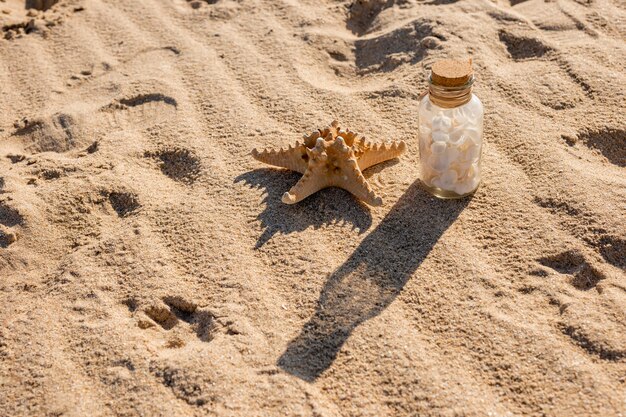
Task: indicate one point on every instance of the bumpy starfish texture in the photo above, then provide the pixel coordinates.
(332, 158)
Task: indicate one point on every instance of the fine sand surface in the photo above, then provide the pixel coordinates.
(148, 266)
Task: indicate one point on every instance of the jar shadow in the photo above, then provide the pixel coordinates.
(370, 279)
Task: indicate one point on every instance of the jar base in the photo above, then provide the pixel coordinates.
(445, 194)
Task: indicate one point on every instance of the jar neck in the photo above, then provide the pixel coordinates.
(450, 97)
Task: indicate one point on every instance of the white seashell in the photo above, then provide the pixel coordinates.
(437, 162)
(462, 188)
(463, 167)
(473, 134)
(442, 123)
(470, 154)
(438, 148)
(436, 182)
(448, 180)
(439, 136)
(458, 138)
(451, 154)
(466, 186)
(474, 114)
(446, 159)
(474, 171)
(460, 119)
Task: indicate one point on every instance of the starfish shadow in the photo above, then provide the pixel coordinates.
(370, 279)
(329, 206)
(378, 168)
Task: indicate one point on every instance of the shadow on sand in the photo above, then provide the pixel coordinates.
(370, 279)
(330, 206)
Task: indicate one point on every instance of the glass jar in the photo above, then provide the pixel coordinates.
(451, 131)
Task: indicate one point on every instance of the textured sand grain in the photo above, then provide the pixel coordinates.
(148, 266)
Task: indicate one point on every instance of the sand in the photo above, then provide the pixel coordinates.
(148, 266)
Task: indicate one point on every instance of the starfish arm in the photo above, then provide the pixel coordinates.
(380, 152)
(310, 183)
(310, 140)
(349, 137)
(293, 158)
(351, 179)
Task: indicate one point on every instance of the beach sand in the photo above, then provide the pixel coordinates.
(148, 266)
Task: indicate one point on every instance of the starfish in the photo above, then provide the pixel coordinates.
(332, 157)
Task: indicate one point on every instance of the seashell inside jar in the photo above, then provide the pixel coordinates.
(451, 131)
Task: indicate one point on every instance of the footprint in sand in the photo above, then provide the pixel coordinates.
(591, 341)
(124, 203)
(522, 47)
(531, 55)
(40, 4)
(613, 250)
(609, 142)
(581, 275)
(379, 45)
(98, 71)
(409, 44)
(362, 13)
(179, 164)
(589, 230)
(21, 17)
(196, 4)
(65, 131)
(141, 111)
(389, 49)
(58, 133)
(178, 315)
(88, 74)
(568, 28)
(569, 24)
(593, 324)
(187, 384)
(585, 318)
(216, 9)
(9, 218)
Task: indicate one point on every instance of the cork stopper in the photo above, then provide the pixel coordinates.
(451, 73)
